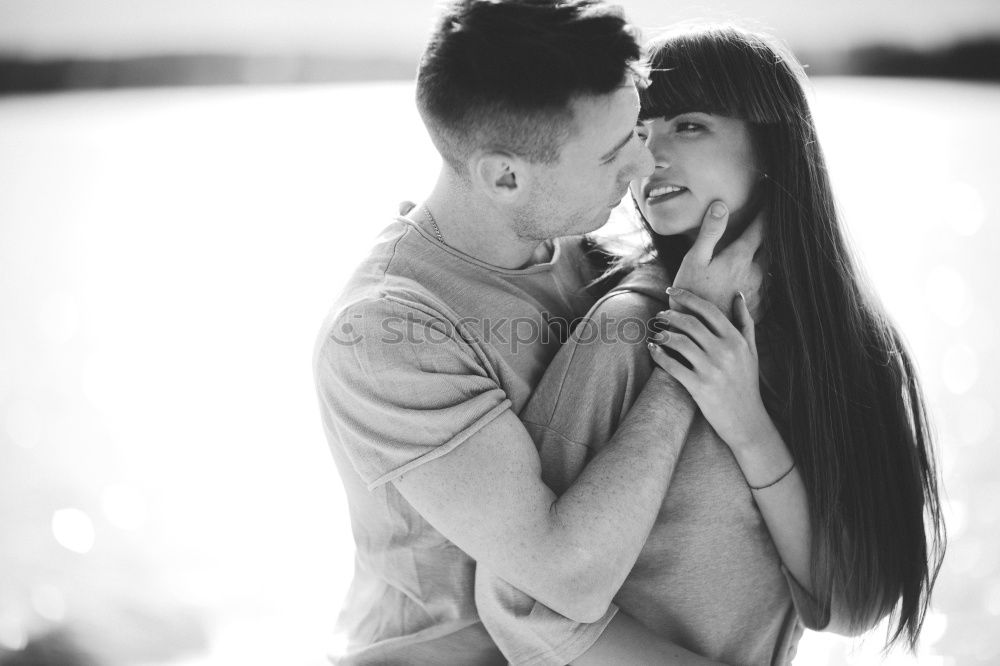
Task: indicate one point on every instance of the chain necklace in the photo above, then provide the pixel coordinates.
(437, 231)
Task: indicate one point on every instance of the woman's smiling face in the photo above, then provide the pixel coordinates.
(700, 158)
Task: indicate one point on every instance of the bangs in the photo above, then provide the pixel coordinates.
(722, 70)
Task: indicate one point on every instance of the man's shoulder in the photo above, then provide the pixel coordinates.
(386, 256)
(389, 271)
(377, 313)
(381, 287)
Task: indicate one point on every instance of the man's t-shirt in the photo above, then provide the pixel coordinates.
(424, 347)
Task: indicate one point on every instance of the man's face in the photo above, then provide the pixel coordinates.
(575, 195)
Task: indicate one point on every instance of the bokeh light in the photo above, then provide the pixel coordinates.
(13, 635)
(73, 530)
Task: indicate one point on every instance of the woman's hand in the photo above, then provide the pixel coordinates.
(717, 277)
(723, 377)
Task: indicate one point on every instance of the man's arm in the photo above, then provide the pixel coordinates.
(573, 552)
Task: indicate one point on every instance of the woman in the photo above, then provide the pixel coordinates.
(806, 493)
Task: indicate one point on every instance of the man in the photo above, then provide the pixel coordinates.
(423, 364)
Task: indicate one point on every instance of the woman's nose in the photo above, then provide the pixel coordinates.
(661, 159)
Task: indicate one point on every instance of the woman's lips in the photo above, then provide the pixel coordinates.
(661, 194)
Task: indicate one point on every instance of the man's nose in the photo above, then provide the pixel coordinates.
(645, 162)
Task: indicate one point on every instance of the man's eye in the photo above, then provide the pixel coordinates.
(642, 133)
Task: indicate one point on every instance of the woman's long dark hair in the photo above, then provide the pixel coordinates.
(849, 404)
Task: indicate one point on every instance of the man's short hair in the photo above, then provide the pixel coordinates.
(500, 74)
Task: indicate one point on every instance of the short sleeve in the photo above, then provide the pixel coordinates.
(399, 386)
(528, 632)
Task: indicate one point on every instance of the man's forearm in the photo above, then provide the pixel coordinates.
(626, 482)
(571, 553)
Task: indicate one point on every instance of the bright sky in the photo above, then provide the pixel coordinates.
(398, 27)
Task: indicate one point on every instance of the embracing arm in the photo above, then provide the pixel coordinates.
(571, 552)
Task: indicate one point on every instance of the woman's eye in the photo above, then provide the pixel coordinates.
(688, 127)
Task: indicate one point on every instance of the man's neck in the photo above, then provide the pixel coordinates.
(476, 228)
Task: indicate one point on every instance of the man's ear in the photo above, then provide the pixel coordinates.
(500, 176)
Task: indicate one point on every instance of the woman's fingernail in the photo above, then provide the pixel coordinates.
(719, 209)
(673, 291)
(742, 297)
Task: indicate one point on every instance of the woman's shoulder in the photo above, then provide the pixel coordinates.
(642, 289)
(624, 303)
(621, 320)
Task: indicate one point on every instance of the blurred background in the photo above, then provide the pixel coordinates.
(184, 186)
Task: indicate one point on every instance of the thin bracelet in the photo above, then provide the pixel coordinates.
(775, 482)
